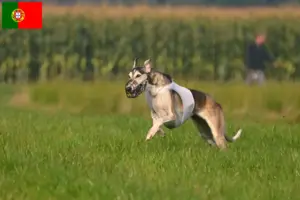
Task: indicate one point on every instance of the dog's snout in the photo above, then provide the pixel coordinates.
(128, 89)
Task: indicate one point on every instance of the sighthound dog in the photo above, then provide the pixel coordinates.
(169, 102)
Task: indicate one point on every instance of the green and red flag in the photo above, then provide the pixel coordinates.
(22, 15)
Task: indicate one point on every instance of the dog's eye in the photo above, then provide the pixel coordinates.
(138, 75)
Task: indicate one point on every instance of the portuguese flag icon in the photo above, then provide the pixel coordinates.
(22, 15)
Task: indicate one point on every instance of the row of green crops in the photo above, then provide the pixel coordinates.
(69, 47)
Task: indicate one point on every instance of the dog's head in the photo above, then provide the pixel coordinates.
(138, 79)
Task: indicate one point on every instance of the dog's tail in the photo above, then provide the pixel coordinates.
(235, 137)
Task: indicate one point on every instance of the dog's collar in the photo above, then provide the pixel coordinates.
(159, 90)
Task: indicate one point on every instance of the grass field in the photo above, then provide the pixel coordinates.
(273, 102)
(86, 156)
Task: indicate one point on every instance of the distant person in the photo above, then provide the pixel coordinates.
(256, 57)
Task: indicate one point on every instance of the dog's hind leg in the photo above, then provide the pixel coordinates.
(213, 118)
(204, 130)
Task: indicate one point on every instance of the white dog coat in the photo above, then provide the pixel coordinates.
(187, 101)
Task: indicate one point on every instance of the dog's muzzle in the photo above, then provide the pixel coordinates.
(132, 90)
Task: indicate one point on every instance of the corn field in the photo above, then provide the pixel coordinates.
(75, 47)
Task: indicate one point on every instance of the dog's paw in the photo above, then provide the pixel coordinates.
(148, 137)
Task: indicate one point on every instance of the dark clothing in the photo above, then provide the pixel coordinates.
(256, 56)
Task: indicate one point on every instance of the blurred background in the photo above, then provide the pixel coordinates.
(174, 2)
(79, 61)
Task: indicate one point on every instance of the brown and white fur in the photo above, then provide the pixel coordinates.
(207, 114)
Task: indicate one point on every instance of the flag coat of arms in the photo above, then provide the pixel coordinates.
(22, 15)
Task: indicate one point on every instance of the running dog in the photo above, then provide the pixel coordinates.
(171, 105)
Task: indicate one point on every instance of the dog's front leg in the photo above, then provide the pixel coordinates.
(153, 130)
(156, 126)
(162, 132)
(156, 123)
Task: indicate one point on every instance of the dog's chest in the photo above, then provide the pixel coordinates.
(160, 101)
(158, 98)
(161, 104)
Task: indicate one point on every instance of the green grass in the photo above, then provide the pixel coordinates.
(65, 156)
(273, 101)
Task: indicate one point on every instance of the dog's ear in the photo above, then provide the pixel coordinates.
(134, 63)
(147, 65)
